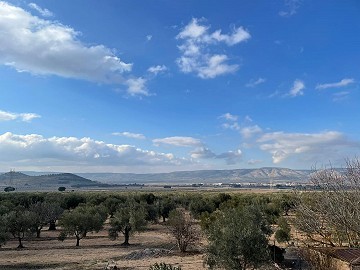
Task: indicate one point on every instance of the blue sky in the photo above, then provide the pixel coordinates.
(158, 86)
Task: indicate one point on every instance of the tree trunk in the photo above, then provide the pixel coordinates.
(127, 236)
(52, 225)
(20, 243)
(77, 241)
(38, 232)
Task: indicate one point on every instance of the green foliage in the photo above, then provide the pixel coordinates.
(165, 206)
(6, 206)
(238, 239)
(9, 189)
(200, 205)
(4, 235)
(112, 204)
(61, 188)
(129, 218)
(282, 234)
(72, 200)
(164, 266)
(44, 213)
(20, 223)
(82, 220)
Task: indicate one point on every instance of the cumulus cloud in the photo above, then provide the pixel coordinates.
(230, 157)
(342, 83)
(291, 7)
(178, 141)
(26, 150)
(245, 128)
(10, 116)
(137, 86)
(130, 135)
(324, 145)
(45, 47)
(43, 11)
(253, 83)
(157, 69)
(297, 89)
(196, 49)
(248, 132)
(229, 117)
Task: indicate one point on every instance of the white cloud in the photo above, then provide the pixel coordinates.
(203, 153)
(230, 157)
(43, 11)
(215, 65)
(157, 69)
(308, 146)
(342, 83)
(33, 149)
(248, 132)
(25, 117)
(291, 8)
(130, 135)
(253, 83)
(137, 86)
(196, 51)
(233, 126)
(229, 117)
(45, 47)
(297, 89)
(178, 141)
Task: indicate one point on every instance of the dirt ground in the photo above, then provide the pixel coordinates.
(97, 251)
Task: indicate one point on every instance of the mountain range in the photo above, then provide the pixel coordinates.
(265, 174)
(38, 180)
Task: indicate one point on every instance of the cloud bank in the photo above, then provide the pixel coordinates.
(34, 149)
(309, 146)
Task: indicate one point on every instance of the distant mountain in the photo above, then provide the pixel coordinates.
(69, 180)
(205, 176)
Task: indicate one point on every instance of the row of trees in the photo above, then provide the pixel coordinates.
(25, 214)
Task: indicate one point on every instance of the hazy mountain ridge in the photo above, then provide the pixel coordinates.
(205, 176)
(260, 175)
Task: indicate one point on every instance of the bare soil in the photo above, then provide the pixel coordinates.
(97, 251)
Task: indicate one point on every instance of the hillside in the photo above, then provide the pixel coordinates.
(68, 180)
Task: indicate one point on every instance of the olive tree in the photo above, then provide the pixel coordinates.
(237, 239)
(45, 213)
(20, 223)
(82, 220)
(128, 219)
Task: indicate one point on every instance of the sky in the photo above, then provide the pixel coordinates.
(158, 86)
